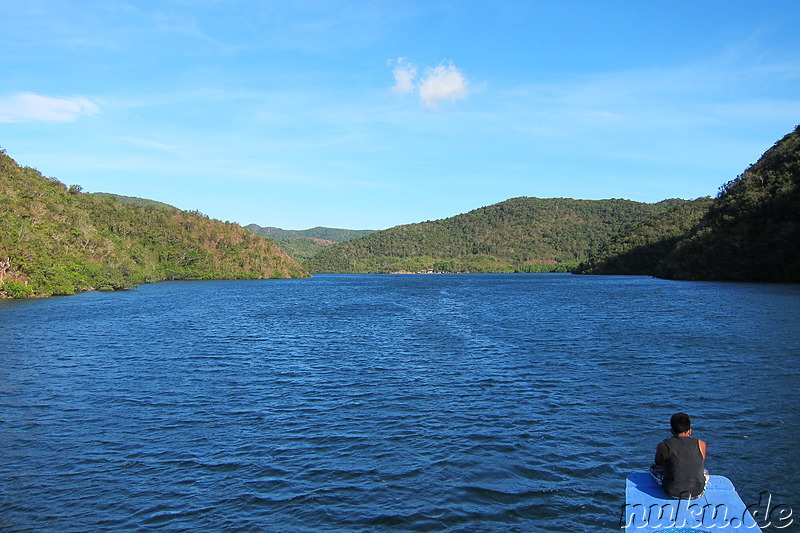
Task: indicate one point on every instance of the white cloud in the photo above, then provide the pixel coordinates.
(30, 107)
(404, 74)
(443, 83)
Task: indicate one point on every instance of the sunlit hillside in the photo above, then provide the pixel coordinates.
(56, 239)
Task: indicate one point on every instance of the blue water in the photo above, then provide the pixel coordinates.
(386, 403)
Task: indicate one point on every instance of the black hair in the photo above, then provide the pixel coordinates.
(680, 423)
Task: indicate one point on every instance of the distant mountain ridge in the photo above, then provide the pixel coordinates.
(301, 245)
(322, 233)
(56, 239)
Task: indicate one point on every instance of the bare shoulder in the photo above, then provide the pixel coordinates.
(703, 447)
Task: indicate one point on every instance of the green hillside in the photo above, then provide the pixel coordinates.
(752, 230)
(141, 202)
(58, 240)
(749, 232)
(518, 235)
(301, 245)
(641, 249)
(318, 233)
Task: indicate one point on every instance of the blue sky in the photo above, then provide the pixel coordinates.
(370, 114)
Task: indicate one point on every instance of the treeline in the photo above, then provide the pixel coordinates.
(749, 232)
(518, 235)
(58, 240)
(641, 249)
(752, 230)
(301, 245)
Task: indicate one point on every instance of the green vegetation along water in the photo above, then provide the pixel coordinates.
(518, 235)
(56, 239)
(751, 231)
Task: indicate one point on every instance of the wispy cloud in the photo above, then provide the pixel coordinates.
(666, 105)
(146, 143)
(404, 74)
(439, 84)
(30, 107)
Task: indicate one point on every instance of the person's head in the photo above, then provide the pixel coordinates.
(680, 423)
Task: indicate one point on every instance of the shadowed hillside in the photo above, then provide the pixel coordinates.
(752, 230)
(749, 232)
(641, 249)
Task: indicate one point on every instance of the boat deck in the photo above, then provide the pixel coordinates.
(648, 508)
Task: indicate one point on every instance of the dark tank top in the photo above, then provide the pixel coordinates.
(683, 470)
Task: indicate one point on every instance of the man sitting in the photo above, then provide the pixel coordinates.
(679, 461)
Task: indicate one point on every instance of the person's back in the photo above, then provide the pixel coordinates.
(681, 460)
(683, 468)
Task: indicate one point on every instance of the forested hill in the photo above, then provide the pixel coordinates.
(319, 233)
(641, 249)
(518, 235)
(749, 232)
(752, 230)
(141, 202)
(301, 245)
(58, 240)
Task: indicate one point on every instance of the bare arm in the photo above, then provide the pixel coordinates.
(702, 445)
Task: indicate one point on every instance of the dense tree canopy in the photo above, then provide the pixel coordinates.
(518, 235)
(750, 232)
(642, 249)
(752, 229)
(59, 240)
(56, 239)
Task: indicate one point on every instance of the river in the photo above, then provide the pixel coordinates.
(386, 402)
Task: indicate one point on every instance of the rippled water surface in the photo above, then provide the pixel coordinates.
(386, 403)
